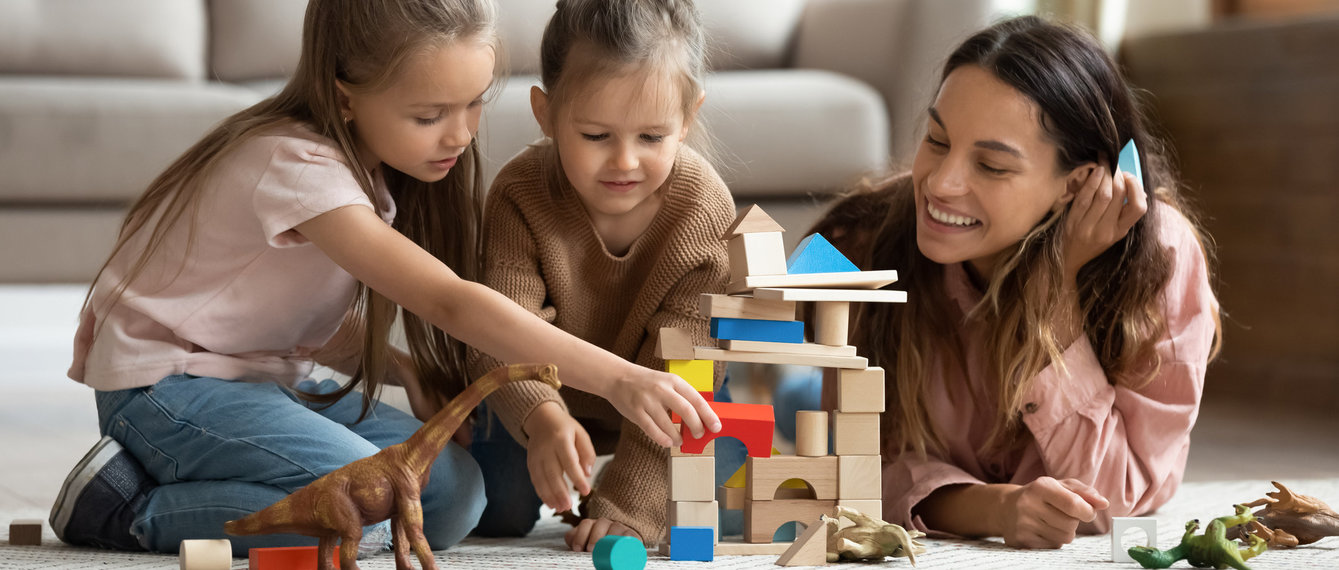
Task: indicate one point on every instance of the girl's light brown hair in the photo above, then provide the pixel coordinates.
(363, 44)
(1089, 112)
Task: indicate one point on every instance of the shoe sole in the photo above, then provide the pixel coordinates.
(82, 474)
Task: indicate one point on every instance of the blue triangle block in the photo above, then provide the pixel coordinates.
(816, 255)
(1129, 161)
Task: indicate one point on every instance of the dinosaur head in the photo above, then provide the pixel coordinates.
(1150, 557)
(549, 375)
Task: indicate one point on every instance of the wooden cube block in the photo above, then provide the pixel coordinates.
(730, 498)
(855, 433)
(692, 478)
(695, 513)
(674, 344)
(811, 433)
(765, 474)
(761, 253)
(738, 307)
(700, 374)
(762, 518)
(25, 532)
(859, 477)
(214, 554)
(856, 390)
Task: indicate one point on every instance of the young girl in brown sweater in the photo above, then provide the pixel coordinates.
(610, 230)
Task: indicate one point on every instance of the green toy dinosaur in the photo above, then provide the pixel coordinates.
(1209, 550)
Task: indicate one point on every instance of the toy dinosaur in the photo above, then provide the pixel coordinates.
(1289, 519)
(385, 485)
(870, 538)
(1210, 550)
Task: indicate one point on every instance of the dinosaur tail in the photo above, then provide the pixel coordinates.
(267, 520)
(244, 526)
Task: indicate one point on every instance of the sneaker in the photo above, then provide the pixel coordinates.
(100, 497)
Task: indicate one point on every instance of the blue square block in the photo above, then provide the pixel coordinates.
(692, 543)
(759, 330)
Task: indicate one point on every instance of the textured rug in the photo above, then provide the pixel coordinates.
(544, 547)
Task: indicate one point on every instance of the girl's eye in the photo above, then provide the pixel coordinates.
(995, 171)
(477, 102)
(428, 122)
(935, 143)
(655, 139)
(594, 138)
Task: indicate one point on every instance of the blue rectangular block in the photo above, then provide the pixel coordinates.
(691, 543)
(754, 329)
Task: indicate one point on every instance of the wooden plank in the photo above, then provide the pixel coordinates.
(738, 307)
(822, 361)
(854, 280)
(749, 549)
(787, 347)
(852, 295)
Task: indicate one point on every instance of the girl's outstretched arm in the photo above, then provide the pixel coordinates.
(358, 240)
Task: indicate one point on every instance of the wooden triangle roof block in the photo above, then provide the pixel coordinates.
(752, 221)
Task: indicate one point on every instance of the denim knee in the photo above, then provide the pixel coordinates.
(454, 498)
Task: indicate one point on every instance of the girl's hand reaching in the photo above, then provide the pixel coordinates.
(589, 531)
(1046, 513)
(1103, 211)
(558, 446)
(645, 397)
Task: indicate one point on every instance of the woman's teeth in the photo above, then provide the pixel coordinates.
(950, 219)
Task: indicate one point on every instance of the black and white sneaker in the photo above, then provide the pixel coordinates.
(100, 497)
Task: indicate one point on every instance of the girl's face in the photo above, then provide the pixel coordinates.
(427, 117)
(617, 140)
(986, 173)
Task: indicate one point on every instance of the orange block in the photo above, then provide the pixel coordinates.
(286, 558)
(751, 424)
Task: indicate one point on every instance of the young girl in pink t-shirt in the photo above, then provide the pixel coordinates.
(295, 233)
(1047, 369)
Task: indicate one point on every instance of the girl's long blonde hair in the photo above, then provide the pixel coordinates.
(363, 44)
(1089, 112)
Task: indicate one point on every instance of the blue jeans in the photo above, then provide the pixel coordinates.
(222, 449)
(513, 505)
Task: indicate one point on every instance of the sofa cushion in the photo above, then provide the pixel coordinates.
(144, 38)
(100, 140)
(254, 39)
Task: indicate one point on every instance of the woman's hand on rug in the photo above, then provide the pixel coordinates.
(558, 445)
(1046, 512)
(589, 531)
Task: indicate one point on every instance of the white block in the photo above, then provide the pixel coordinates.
(1119, 552)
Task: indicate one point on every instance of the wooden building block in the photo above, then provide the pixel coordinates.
(811, 433)
(851, 295)
(736, 307)
(751, 424)
(25, 532)
(754, 329)
(810, 548)
(815, 254)
(761, 253)
(831, 322)
(855, 433)
(285, 558)
(856, 390)
(700, 374)
(765, 474)
(213, 554)
(692, 478)
(710, 449)
(818, 360)
(750, 549)
(762, 518)
(615, 552)
(859, 477)
(674, 344)
(752, 220)
(870, 507)
(695, 513)
(858, 280)
(694, 543)
(787, 347)
(730, 498)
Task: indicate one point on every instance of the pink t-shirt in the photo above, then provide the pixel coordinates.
(1130, 445)
(251, 299)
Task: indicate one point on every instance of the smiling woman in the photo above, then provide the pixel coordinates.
(1048, 369)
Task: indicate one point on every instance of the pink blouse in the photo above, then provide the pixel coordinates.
(1130, 445)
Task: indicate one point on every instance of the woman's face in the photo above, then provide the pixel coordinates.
(986, 173)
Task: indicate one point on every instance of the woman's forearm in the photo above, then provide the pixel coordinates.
(966, 510)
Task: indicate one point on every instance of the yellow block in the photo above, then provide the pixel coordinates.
(700, 374)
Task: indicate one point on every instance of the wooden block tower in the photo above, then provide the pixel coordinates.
(757, 322)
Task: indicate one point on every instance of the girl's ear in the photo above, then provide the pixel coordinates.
(692, 115)
(344, 100)
(1074, 182)
(539, 105)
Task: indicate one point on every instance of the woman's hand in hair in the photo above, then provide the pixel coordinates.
(558, 446)
(1101, 214)
(1046, 512)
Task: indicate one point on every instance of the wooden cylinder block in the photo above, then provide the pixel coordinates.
(811, 433)
(205, 554)
(831, 322)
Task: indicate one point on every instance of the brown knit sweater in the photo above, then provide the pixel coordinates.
(542, 251)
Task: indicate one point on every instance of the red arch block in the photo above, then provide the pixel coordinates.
(749, 423)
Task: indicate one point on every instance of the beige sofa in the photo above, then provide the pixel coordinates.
(97, 96)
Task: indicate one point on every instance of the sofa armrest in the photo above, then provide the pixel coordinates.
(897, 46)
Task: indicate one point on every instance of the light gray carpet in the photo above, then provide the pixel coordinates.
(544, 547)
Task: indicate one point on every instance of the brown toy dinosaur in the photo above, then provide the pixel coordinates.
(385, 485)
(1289, 519)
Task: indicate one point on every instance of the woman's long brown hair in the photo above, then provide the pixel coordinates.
(364, 45)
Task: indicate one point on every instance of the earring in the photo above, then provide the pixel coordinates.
(348, 118)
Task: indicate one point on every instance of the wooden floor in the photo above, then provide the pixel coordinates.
(48, 421)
